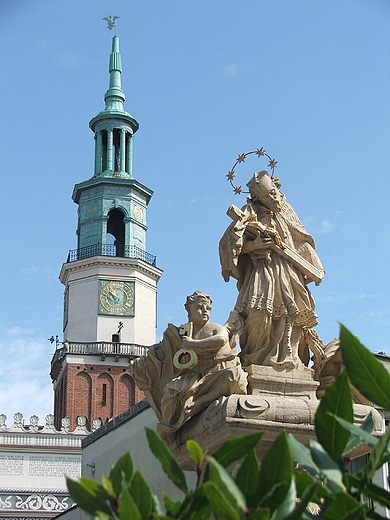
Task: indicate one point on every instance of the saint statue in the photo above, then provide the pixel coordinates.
(193, 366)
(272, 257)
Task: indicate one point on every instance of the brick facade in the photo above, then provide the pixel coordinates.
(95, 391)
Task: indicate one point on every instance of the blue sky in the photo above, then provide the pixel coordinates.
(308, 80)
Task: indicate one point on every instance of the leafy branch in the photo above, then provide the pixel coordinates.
(290, 477)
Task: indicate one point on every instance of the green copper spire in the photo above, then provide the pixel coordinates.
(115, 96)
(114, 127)
(112, 202)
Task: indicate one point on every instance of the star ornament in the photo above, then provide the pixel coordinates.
(260, 152)
(272, 163)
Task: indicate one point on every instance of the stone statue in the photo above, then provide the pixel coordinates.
(272, 257)
(189, 369)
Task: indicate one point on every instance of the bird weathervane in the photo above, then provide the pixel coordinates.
(111, 21)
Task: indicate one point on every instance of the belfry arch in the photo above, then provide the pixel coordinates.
(116, 228)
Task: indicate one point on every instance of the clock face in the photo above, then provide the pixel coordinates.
(116, 298)
(138, 213)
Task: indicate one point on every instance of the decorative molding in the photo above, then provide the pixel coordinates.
(33, 491)
(38, 501)
(19, 427)
(102, 261)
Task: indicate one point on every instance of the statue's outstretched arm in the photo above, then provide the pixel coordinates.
(213, 343)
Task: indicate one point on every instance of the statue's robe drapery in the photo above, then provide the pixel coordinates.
(273, 296)
(176, 395)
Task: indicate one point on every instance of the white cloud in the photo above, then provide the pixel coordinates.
(232, 69)
(326, 228)
(341, 298)
(25, 384)
(17, 331)
(70, 60)
(34, 269)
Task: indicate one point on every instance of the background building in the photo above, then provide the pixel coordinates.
(109, 316)
(33, 463)
(110, 280)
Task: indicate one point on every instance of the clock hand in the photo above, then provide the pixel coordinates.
(113, 294)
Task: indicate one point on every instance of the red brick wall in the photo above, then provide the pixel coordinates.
(81, 391)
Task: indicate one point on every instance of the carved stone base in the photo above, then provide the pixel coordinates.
(239, 415)
(278, 381)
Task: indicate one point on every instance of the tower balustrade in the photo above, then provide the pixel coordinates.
(124, 251)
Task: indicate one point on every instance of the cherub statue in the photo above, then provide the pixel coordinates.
(191, 367)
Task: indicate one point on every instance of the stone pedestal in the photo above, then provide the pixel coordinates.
(279, 401)
(281, 382)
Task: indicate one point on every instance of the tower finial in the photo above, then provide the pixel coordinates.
(113, 126)
(111, 21)
(115, 96)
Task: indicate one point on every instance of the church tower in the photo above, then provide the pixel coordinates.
(110, 280)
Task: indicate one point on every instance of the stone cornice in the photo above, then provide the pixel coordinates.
(108, 261)
(53, 448)
(20, 434)
(35, 490)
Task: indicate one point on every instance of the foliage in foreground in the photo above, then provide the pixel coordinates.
(289, 479)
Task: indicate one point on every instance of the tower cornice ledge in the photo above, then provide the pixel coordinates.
(109, 181)
(108, 261)
(115, 115)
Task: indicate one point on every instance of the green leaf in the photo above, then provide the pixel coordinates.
(157, 507)
(235, 449)
(225, 483)
(301, 504)
(366, 373)
(342, 506)
(327, 466)
(288, 504)
(141, 494)
(359, 434)
(121, 471)
(127, 508)
(261, 513)
(377, 494)
(302, 456)
(275, 473)
(108, 486)
(99, 515)
(385, 458)
(195, 506)
(195, 452)
(168, 462)
(89, 495)
(247, 477)
(370, 490)
(352, 482)
(303, 481)
(172, 507)
(376, 459)
(336, 400)
(220, 503)
(375, 516)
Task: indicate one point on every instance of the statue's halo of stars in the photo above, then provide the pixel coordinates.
(260, 152)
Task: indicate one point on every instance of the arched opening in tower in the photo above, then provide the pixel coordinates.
(116, 228)
(116, 150)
